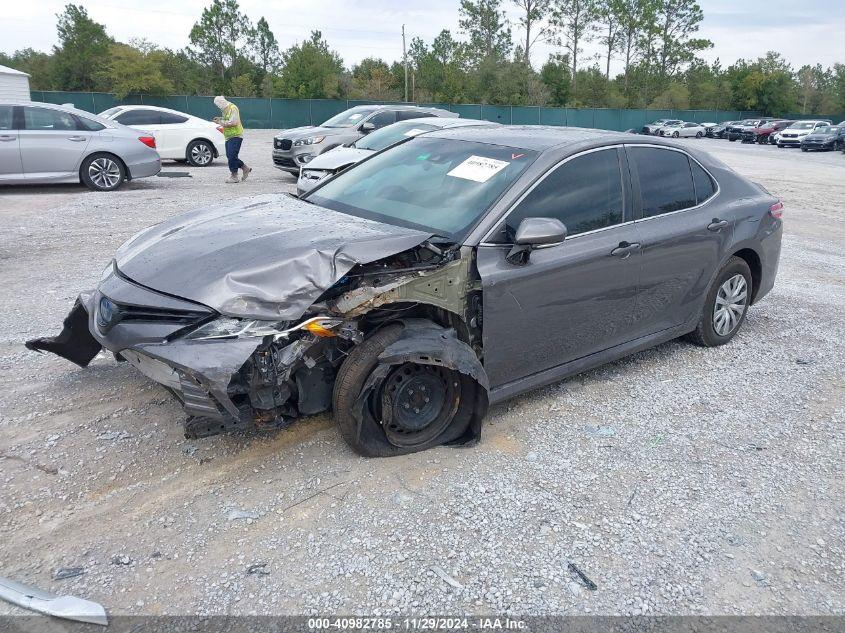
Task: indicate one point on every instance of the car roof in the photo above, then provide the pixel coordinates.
(447, 122)
(59, 106)
(532, 137)
(150, 107)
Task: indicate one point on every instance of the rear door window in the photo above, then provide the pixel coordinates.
(139, 117)
(385, 117)
(168, 118)
(704, 185)
(45, 119)
(665, 180)
(90, 125)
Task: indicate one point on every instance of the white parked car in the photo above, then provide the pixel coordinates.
(795, 133)
(680, 129)
(178, 136)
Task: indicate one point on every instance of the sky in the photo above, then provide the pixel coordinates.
(804, 32)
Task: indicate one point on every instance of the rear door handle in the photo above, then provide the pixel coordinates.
(7, 137)
(625, 249)
(717, 225)
(76, 138)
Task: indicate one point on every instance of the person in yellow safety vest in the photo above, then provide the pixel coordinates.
(234, 133)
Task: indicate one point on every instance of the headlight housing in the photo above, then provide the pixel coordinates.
(311, 140)
(228, 327)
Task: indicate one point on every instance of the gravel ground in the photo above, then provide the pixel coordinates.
(681, 480)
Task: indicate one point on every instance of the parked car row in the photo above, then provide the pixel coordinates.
(46, 143)
(809, 135)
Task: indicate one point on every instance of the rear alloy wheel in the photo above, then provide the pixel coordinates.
(102, 172)
(675, 134)
(200, 154)
(698, 135)
(725, 306)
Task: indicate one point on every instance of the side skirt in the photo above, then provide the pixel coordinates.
(556, 374)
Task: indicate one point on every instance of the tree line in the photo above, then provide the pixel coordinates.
(489, 60)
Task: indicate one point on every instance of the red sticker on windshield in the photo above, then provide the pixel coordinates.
(515, 156)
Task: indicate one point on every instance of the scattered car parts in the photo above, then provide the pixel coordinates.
(66, 607)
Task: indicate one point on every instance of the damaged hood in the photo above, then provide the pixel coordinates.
(266, 257)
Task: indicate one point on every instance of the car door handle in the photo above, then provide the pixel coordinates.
(625, 249)
(77, 139)
(717, 225)
(7, 137)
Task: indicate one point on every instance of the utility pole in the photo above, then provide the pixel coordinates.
(405, 61)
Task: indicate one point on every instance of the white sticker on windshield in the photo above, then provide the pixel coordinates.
(478, 168)
(414, 131)
(355, 117)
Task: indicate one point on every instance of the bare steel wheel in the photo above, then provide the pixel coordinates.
(102, 172)
(369, 401)
(200, 154)
(418, 402)
(731, 301)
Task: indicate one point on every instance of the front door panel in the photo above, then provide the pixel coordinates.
(568, 301)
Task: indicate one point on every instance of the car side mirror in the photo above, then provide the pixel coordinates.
(535, 233)
(367, 127)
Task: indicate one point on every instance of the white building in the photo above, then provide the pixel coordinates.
(14, 85)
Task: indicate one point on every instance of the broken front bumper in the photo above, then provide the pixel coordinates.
(218, 386)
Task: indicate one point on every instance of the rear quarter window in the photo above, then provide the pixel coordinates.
(705, 188)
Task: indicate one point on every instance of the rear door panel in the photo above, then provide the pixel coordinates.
(51, 146)
(680, 255)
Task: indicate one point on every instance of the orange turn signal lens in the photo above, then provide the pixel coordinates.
(316, 328)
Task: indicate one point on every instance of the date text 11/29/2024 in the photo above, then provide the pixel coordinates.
(417, 624)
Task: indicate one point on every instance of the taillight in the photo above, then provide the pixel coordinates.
(776, 210)
(149, 141)
(220, 129)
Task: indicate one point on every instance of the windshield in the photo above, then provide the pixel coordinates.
(108, 113)
(439, 185)
(348, 118)
(806, 125)
(827, 129)
(387, 136)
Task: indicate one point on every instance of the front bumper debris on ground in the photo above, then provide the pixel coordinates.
(66, 607)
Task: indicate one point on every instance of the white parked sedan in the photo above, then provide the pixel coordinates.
(178, 136)
(679, 129)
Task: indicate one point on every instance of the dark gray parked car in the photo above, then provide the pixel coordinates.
(298, 146)
(453, 270)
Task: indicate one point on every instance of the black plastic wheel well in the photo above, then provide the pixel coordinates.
(378, 317)
(753, 260)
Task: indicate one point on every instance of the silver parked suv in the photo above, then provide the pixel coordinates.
(45, 143)
(296, 147)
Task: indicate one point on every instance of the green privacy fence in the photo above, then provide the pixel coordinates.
(287, 113)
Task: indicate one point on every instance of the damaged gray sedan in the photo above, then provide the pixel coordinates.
(454, 270)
